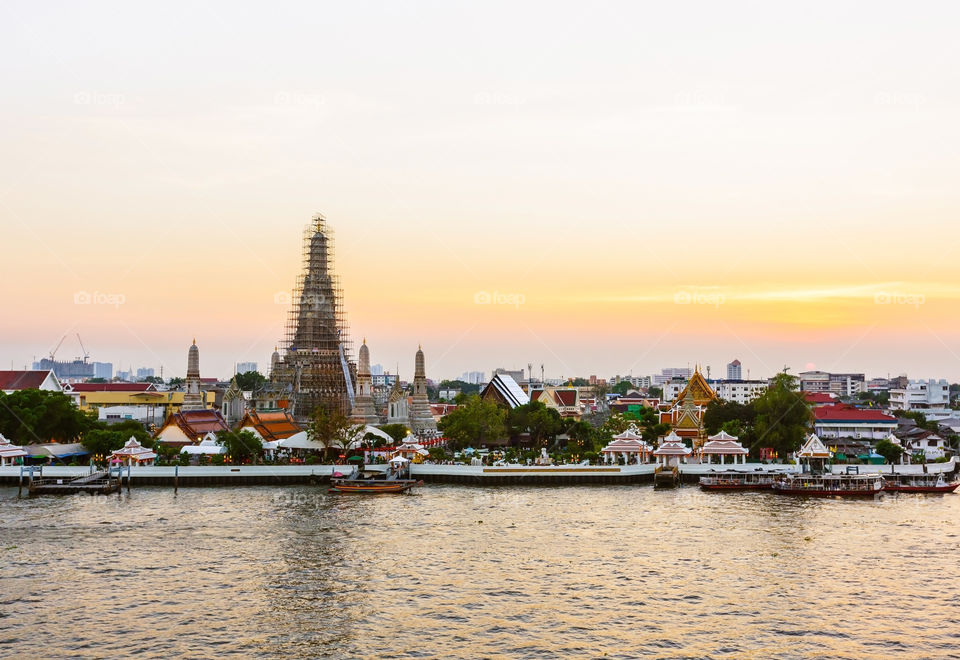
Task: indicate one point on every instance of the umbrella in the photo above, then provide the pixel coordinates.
(399, 459)
(356, 459)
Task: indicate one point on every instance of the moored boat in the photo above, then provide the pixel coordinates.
(738, 481)
(918, 483)
(829, 485)
(371, 482)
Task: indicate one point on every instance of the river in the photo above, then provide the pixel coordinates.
(453, 571)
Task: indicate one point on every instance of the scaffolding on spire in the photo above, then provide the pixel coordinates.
(314, 365)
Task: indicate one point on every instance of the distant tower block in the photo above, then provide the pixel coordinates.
(193, 399)
(364, 412)
(421, 419)
(313, 367)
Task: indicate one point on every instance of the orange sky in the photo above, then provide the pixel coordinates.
(633, 187)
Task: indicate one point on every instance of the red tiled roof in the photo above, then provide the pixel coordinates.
(197, 423)
(271, 425)
(566, 397)
(819, 397)
(442, 408)
(22, 380)
(112, 387)
(851, 414)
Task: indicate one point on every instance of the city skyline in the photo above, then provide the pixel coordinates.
(581, 189)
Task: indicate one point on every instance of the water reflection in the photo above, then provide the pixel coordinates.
(456, 571)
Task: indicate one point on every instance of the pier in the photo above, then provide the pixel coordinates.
(65, 477)
(95, 483)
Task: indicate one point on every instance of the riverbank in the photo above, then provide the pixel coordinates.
(476, 475)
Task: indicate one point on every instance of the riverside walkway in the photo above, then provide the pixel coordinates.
(477, 475)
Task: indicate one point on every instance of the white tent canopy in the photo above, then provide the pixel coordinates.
(207, 446)
(400, 460)
(300, 441)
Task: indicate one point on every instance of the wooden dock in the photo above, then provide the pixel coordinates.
(95, 483)
(666, 477)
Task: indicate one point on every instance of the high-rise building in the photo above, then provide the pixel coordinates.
(734, 371)
(244, 367)
(66, 370)
(144, 372)
(103, 370)
(474, 377)
(376, 370)
(314, 364)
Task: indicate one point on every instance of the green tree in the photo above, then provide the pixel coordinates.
(130, 427)
(250, 381)
(615, 424)
(655, 392)
(156, 380)
(332, 429)
(175, 383)
(783, 416)
(462, 385)
(891, 452)
(719, 412)
(582, 437)
(36, 416)
(100, 442)
(396, 431)
(241, 445)
(437, 454)
(476, 421)
(622, 387)
(535, 418)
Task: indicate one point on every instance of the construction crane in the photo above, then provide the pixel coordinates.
(86, 356)
(53, 353)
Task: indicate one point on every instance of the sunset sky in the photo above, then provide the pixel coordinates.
(630, 185)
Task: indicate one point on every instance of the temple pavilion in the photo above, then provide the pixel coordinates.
(629, 445)
(672, 451)
(723, 444)
(814, 453)
(133, 453)
(10, 454)
(686, 413)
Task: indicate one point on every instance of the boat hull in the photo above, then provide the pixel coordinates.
(896, 488)
(812, 492)
(385, 487)
(736, 486)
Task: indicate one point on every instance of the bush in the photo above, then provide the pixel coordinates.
(217, 459)
(310, 460)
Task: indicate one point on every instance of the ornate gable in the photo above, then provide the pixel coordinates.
(699, 388)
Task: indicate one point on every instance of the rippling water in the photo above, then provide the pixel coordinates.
(470, 572)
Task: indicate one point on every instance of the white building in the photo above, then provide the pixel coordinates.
(734, 370)
(739, 391)
(843, 421)
(931, 445)
(921, 394)
(244, 367)
(839, 384)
